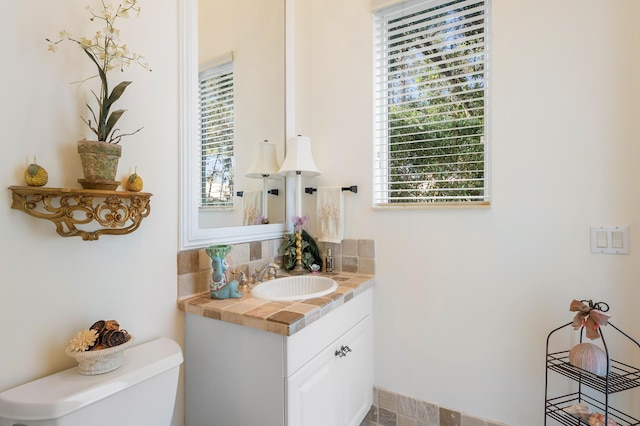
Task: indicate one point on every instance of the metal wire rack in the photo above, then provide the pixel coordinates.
(621, 377)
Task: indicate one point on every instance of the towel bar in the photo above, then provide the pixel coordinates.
(352, 188)
(271, 191)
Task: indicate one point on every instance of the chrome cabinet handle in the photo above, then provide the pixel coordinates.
(343, 351)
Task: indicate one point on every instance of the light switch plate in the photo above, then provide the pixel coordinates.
(610, 239)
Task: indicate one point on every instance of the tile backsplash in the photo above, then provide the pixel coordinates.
(194, 266)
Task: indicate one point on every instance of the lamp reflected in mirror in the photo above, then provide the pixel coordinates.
(264, 166)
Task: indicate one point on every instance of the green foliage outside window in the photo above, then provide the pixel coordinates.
(435, 93)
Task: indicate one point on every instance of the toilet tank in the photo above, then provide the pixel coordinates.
(141, 392)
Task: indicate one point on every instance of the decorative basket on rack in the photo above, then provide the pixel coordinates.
(100, 361)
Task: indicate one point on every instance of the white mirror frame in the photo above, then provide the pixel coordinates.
(190, 233)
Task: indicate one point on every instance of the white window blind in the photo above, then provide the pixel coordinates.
(431, 112)
(216, 98)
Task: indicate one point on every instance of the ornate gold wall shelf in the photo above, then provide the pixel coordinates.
(117, 212)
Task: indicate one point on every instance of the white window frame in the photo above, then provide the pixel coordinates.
(429, 189)
(221, 137)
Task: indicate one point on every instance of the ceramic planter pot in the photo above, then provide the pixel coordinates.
(99, 164)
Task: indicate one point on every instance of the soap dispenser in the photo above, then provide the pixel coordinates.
(329, 262)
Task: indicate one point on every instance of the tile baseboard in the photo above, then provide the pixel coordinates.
(394, 409)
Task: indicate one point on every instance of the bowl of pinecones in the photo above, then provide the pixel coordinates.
(100, 348)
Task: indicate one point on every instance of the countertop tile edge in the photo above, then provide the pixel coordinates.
(279, 319)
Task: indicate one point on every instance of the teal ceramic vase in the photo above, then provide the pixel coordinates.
(220, 287)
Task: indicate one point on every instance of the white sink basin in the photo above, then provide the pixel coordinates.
(294, 288)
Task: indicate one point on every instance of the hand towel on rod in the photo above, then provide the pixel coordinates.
(252, 205)
(330, 214)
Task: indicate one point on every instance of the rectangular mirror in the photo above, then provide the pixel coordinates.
(253, 33)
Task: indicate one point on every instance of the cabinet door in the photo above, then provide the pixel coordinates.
(312, 393)
(355, 373)
(336, 387)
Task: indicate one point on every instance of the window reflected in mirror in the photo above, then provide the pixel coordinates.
(216, 121)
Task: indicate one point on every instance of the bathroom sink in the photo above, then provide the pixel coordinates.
(294, 288)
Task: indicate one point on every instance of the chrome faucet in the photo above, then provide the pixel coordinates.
(270, 269)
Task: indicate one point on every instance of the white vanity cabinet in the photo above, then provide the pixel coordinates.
(334, 388)
(321, 375)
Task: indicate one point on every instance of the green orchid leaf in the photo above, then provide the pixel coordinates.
(104, 109)
(103, 75)
(113, 119)
(116, 93)
(93, 114)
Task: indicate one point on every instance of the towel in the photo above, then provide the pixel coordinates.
(330, 214)
(252, 206)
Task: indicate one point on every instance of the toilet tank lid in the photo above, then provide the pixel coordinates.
(59, 394)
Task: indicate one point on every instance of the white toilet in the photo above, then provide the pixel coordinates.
(141, 392)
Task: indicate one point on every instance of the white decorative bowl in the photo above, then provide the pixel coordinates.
(100, 361)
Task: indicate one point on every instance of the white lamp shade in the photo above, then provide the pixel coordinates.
(264, 163)
(299, 158)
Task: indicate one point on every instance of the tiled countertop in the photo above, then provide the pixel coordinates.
(285, 318)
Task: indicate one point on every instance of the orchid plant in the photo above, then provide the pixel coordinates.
(299, 222)
(310, 252)
(106, 52)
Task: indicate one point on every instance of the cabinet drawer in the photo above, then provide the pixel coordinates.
(311, 340)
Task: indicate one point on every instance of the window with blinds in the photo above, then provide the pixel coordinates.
(216, 136)
(431, 112)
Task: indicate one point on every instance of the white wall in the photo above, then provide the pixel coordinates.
(52, 287)
(465, 298)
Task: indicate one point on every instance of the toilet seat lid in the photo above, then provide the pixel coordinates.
(59, 394)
